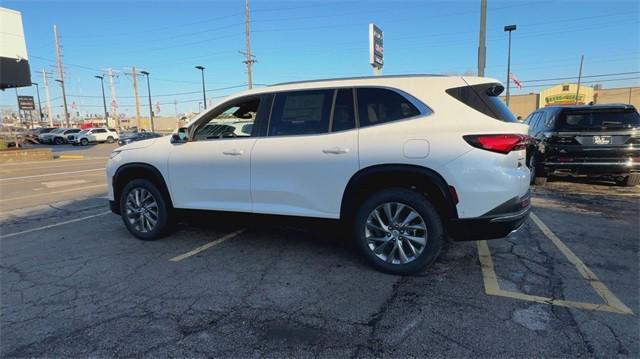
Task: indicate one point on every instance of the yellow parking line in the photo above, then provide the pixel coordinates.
(206, 246)
(586, 273)
(491, 286)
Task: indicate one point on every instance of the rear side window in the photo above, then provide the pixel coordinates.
(344, 117)
(575, 120)
(301, 113)
(376, 106)
(484, 98)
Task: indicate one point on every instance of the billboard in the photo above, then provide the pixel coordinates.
(14, 61)
(376, 47)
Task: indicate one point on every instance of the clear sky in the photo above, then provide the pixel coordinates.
(308, 39)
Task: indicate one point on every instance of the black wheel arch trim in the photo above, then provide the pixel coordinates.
(157, 177)
(386, 169)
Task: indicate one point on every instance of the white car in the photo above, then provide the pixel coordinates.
(94, 135)
(403, 161)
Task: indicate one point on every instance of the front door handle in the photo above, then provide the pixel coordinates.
(335, 151)
(233, 152)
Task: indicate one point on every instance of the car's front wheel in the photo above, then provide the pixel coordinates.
(144, 210)
(110, 139)
(398, 231)
(84, 141)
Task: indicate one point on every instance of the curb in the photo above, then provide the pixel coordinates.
(70, 157)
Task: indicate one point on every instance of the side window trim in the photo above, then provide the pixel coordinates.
(332, 111)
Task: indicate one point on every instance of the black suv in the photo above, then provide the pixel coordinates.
(594, 140)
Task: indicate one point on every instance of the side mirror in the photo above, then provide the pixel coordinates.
(180, 136)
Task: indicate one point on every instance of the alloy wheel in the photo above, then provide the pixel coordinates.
(395, 233)
(141, 210)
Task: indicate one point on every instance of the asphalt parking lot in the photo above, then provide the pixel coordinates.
(75, 283)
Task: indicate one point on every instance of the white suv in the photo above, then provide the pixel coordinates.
(402, 160)
(94, 135)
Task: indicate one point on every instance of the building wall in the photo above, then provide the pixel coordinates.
(629, 95)
(523, 105)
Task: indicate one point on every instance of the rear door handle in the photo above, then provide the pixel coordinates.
(335, 151)
(233, 152)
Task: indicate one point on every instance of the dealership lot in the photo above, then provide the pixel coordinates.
(75, 283)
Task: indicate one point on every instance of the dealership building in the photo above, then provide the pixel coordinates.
(565, 94)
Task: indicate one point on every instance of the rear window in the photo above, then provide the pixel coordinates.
(575, 120)
(484, 98)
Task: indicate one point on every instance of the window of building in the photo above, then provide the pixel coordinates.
(565, 87)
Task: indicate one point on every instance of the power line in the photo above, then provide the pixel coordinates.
(575, 77)
(585, 82)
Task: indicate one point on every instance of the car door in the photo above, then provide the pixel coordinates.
(212, 170)
(98, 135)
(310, 151)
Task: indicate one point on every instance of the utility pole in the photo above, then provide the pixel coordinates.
(114, 106)
(482, 48)
(61, 73)
(146, 73)
(247, 33)
(45, 78)
(135, 93)
(579, 78)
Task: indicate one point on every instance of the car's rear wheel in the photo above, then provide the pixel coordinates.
(633, 179)
(84, 141)
(58, 141)
(144, 210)
(110, 139)
(398, 231)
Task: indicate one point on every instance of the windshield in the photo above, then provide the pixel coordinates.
(601, 119)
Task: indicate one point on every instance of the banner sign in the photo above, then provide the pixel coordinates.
(376, 46)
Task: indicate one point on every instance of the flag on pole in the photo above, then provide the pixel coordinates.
(157, 106)
(515, 80)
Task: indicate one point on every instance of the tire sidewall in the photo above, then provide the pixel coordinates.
(84, 142)
(163, 210)
(419, 203)
(110, 139)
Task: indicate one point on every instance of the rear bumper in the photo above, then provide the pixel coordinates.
(498, 223)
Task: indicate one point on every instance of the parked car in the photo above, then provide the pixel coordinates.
(46, 137)
(594, 141)
(402, 161)
(127, 138)
(32, 135)
(94, 135)
(60, 138)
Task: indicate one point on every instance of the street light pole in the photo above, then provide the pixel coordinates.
(104, 101)
(146, 73)
(38, 94)
(509, 29)
(204, 92)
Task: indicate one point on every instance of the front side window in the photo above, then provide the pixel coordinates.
(376, 106)
(301, 113)
(233, 120)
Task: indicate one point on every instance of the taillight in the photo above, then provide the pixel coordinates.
(502, 143)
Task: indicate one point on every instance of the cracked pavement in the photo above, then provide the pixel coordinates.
(295, 288)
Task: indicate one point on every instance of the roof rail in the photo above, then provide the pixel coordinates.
(356, 78)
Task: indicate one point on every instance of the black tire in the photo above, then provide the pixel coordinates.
(415, 201)
(633, 179)
(110, 139)
(84, 142)
(164, 212)
(58, 141)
